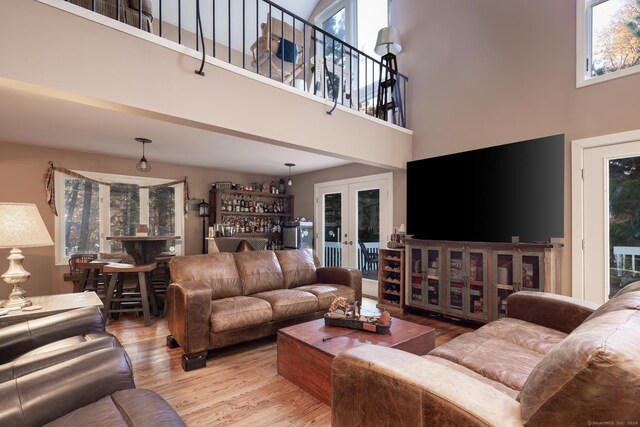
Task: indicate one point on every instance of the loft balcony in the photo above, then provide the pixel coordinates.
(248, 69)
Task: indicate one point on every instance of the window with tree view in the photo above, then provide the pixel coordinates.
(81, 218)
(612, 36)
(93, 211)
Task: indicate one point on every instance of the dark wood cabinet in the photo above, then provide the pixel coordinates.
(473, 280)
(391, 280)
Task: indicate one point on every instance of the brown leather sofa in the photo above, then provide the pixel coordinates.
(216, 300)
(554, 361)
(65, 370)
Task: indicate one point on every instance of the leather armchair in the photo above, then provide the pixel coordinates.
(36, 344)
(22, 338)
(94, 389)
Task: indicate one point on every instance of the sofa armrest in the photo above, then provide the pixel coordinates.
(189, 314)
(342, 276)
(374, 385)
(554, 311)
(44, 395)
(22, 337)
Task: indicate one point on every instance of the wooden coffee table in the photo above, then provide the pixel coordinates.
(305, 351)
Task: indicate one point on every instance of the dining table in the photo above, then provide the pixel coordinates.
(144, 249)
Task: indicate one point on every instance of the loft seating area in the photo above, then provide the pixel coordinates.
(244, 213)
(268, 40)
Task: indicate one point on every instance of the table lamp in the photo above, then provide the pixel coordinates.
(20, 226)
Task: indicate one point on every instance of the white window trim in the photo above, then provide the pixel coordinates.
(583, 48)
(105, 215)
(350, 20)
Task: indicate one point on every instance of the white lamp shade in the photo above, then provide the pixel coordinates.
(388, 41)
(21, 226)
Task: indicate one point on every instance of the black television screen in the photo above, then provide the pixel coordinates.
(490, 194)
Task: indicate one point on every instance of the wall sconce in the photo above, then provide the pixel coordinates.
(143, 165)
(203, 209)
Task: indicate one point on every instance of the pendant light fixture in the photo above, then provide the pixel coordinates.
(143, 165)
(290, 181)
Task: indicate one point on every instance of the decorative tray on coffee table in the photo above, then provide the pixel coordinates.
(346, 315)
(357, 324)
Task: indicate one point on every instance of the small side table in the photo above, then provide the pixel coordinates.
(52, 304)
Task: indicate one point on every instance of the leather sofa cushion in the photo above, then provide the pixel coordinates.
(524, 334)
(56, 352)
(628, 298)
(593, 375)
(132, 407)
(492, 357)
(495, 384)
(298, 267)
(23, 337)
(238, 312)
(259, 271)
(218, 271)
(287, 303)
(326, 293)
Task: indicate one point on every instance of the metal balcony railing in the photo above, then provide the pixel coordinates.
(260, 36)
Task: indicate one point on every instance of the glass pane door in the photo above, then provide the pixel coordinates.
(353, 219)
(331, 229)
(368, 219)
(624, 222)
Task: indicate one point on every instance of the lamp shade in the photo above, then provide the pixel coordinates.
(388, 41)
(21, 226)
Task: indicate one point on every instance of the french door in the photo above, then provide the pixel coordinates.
(353, 220)
(606, 215)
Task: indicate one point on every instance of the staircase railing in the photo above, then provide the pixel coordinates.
(262, 37)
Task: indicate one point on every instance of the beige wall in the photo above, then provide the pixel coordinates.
(491, 72)
(22, 169)
(94, 64)
(305, 204)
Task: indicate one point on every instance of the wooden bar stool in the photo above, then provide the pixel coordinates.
(160, 279)
(93, 277)
(116, 294)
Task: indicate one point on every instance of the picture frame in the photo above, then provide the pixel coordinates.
(223, 185)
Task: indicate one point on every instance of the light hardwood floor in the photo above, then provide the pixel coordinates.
(240, 385)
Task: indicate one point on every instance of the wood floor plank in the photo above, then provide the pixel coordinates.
(240, 385)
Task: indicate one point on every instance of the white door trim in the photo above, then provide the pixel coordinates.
(577, 201)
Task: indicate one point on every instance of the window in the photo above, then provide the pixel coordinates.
(91, 212)
(608, 39)
(356, 22)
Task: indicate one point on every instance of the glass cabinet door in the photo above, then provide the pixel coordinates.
(476, 299)
(503, 280)
(433, 282)
(531, 271)
(455, 280)
(416, 294)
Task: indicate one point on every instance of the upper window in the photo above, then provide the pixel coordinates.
(610, 34)
(93, 212)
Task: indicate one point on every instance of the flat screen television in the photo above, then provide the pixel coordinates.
(490, 194)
